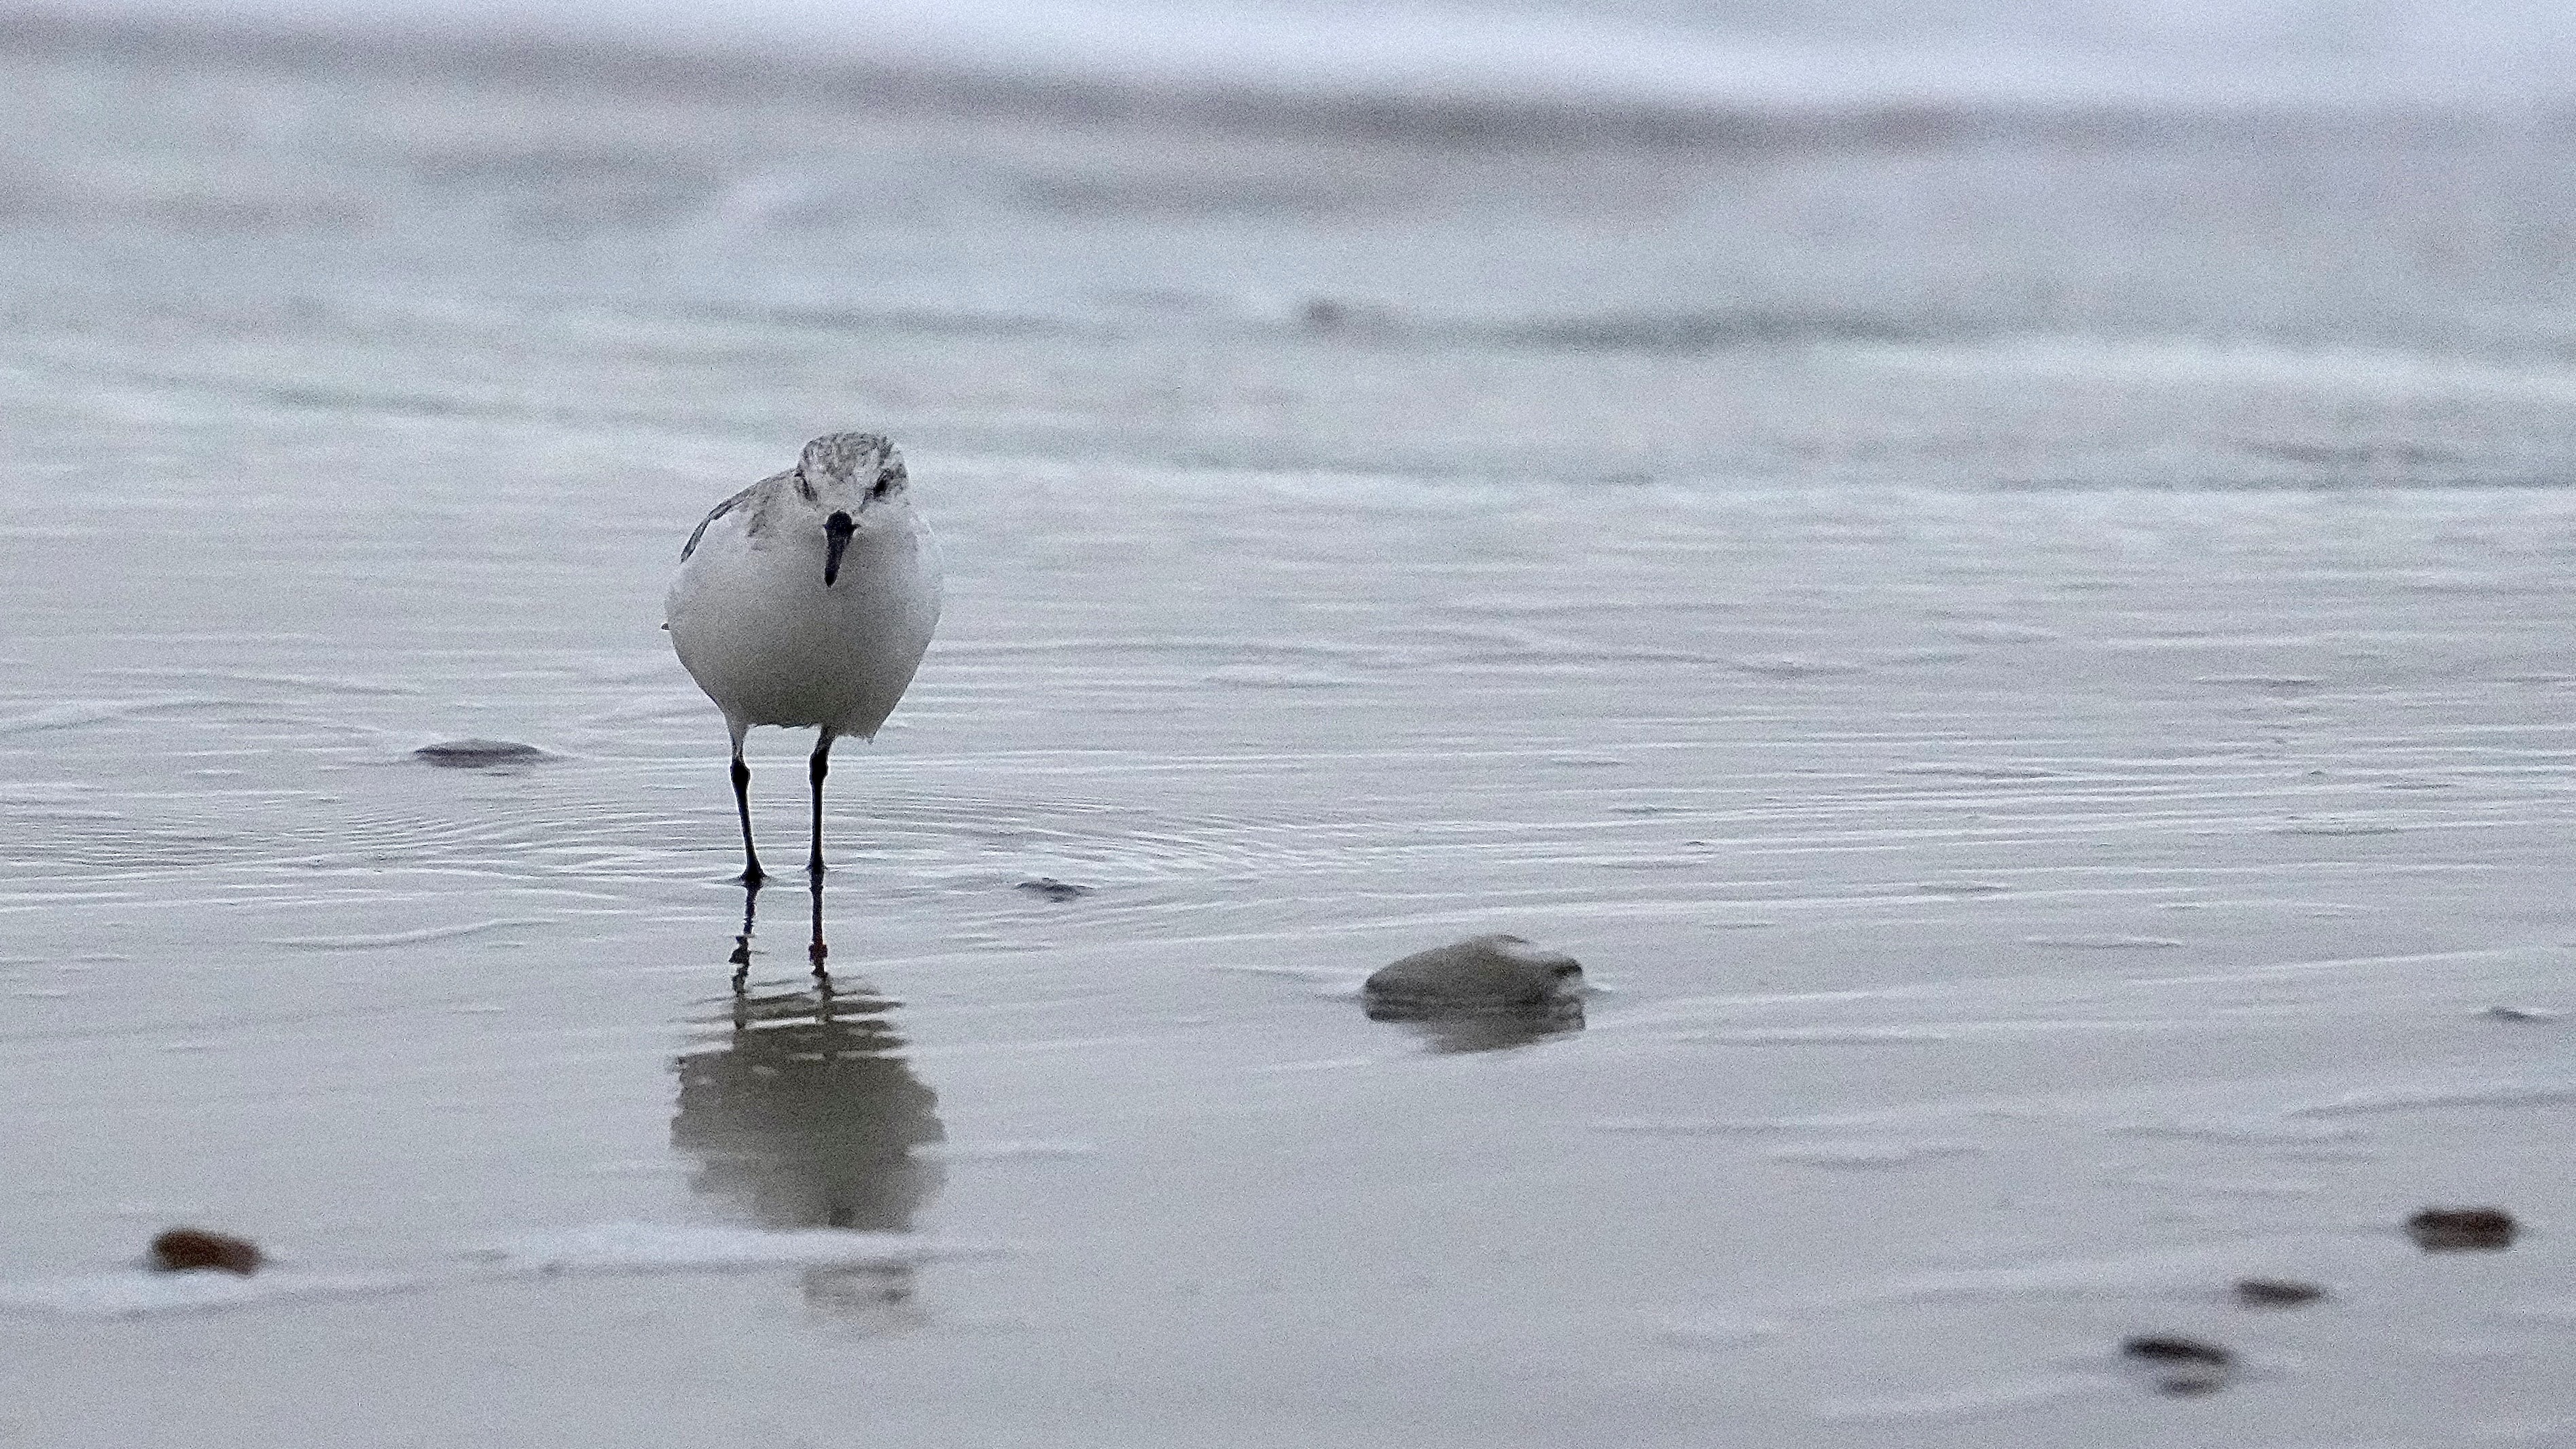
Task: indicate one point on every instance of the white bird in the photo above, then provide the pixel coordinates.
(806, 600)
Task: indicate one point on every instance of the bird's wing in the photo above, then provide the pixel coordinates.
(720, 510)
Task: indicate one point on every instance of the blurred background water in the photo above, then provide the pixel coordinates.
(2313, 244)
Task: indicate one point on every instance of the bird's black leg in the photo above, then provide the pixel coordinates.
(815, 951)
(821, 766)
(752, 874)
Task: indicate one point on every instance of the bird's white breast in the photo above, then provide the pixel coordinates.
(771, 645)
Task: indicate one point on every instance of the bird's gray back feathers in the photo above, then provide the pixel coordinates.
(719, 511)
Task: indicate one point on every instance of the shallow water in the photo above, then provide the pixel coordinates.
(2047, 812)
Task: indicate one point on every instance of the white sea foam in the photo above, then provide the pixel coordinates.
(999, 1151)
(1824, 1036)
(1870, 1154)
(2372, 1101)
(682, 1248)
(601, 1248)
(2150, 1272)
(144, 1293)
(2258, 1128)
(377, 940)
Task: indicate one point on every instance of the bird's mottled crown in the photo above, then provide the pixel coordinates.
(840, 457)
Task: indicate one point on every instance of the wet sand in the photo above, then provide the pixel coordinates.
(2014, 919)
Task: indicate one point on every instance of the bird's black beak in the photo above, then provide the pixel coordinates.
(836, 531)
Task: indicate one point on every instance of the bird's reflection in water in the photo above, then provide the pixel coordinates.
(804, 1113)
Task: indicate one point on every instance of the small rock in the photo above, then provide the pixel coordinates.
(1481, 973)
(2276, 1292)
(2524, 1013)
(184, 1250)
(478, 754)
(2462, 1230)
(2174, 1348)
(1055, 890)
(2188, 1365)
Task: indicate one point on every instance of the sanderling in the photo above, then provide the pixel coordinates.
(806, 600)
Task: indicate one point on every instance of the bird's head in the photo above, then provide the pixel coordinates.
(849, 480)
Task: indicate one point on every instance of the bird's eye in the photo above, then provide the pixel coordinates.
(885, 485)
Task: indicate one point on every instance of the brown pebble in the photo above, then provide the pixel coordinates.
(2462, 1230)
(2276, 1292)
(2173, 1348)
(183, 1250)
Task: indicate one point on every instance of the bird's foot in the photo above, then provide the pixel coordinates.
(752, 875)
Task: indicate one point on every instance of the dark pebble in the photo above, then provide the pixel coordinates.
(1481, 973)
(1055, 890)
(2173, 1348)
(2186, 1365)
(185, 1250)
(2462, 1230)
(2524, 1013)
(2276, 1292)
(478, 754)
